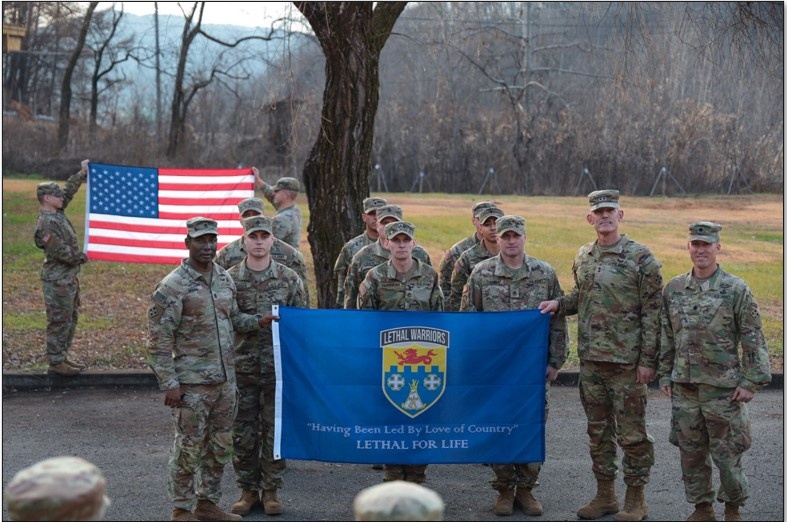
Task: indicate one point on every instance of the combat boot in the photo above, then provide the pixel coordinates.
(634, 507)
(732, 511)
(74, 364)
(528, 503)
(207, 510)
(248, 498)
(703, 511)
(270, 502)
(604, 503)
(179, 515)
(504, 505)
(62, 368)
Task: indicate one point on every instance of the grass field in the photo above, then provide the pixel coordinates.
(113, 326)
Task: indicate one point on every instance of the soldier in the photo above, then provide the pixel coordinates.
(372, 255)
(401, 283)
(617, 299)
(192, 322)
(513, 280)
(350, 248)
(63, 260)
(706, 314)
(453, 253)
(233, 253)
(486, 248)
(287, 221)
(60, 488)
(261, 282)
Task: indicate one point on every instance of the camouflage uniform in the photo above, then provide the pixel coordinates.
(462, 269)
(342, 265)
(493, 286)
(60, 271)
(702, 324)
(287, 221)
(417, 290)
(617, 298)
(233, 253)
(192, 324)
(252, 431)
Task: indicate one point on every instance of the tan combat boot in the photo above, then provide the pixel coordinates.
(63, 368)
(207, 510)
(732, 511)
(248, 498)
(183, 515)
(504, 505)
(703, 511)
(74, 364)
(527, 502)
(604, 503)
(634, 507)
(270, 502)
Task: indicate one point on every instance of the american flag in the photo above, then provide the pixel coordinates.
(139, 214)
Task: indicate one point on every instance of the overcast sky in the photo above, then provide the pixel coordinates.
(250, 14)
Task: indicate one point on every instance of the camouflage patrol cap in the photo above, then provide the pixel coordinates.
(199, 226)
(389, 211)
(251, 204)
(60, 488)
(370, 204)
(515, 224)
(481, 206)
(604, 199)
(257, 223)
(707, 231)
(287, 184)
(399, 227)
(488, 213)
(49, 189)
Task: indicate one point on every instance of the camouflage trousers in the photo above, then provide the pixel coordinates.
(708, 425)
(409, 472)
(615, 409)
(523, 475)
(203, 443)
(61, 299)
(252, 435)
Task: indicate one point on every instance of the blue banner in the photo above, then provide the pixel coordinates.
(363, 386)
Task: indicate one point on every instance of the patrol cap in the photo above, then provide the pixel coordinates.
(398, 500)
(49, 189)
(482, 205)
(370, 204)
(604, 199)
(389, 211)
(399, 227)
(707, 231)
(287, 184)
(488, 213)
(59, 488)
(251, 204)
(199, 226)
(515, 224)
(257, 223)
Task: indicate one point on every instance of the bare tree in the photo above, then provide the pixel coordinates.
(336, 174)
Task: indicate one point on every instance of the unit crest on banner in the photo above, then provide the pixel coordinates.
(414, 367)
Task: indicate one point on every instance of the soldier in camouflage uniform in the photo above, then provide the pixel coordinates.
(287, 221)
(233, 253)
(706, 314)
(261, 282)
(485, 249)
(60, 488)
(350, 248)
(401, 283)
(192, 322)
(60, 273)
(617, 296)
(513, 280)
(372, 255)
(453, 253)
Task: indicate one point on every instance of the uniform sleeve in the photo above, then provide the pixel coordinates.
(340, 272)
(351, 287)
(298, 264)
(164, 316)
(267, 193)
(569, 303)
(298, 298)
(458, 279)
(650, 289)
(558, 329)
(72, 186)
(446, 267)
(755, 365)
(221, 258)
(471, 296)
(436, 300)
(56, 248)
(666, 343)
(367, 294)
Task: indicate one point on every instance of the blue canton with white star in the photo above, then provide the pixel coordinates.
(124, 191)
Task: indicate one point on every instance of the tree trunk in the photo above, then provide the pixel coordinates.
(336, 173)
